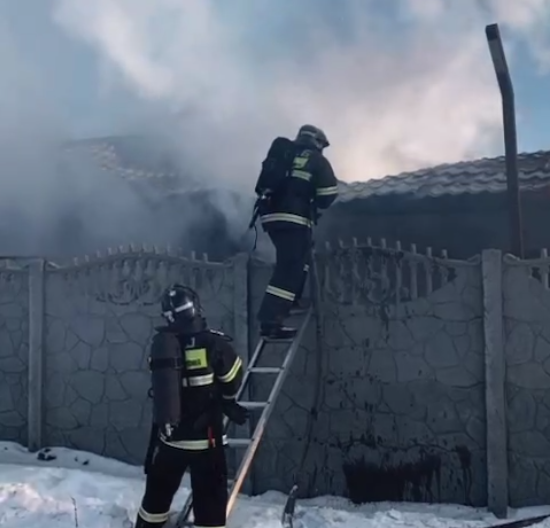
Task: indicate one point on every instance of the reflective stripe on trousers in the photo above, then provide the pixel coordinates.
(279, 292)
(153, 518)
(293, 246)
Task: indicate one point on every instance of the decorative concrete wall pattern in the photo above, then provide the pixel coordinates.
(429, 381)
(99, 319)
(14, 347)
(401, 408)
(527, 349)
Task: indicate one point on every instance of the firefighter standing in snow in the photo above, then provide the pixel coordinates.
(195, 376)
(296, 180)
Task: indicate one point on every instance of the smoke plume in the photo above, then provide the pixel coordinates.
(396, 86)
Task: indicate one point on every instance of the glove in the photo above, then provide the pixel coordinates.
(235, 412)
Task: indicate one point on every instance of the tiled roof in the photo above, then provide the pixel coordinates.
(134, 158)
(466, 177)
(129, 156)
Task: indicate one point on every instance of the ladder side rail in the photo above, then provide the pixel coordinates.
(252, 363)
(186, 509)
(266, 414)
(287, 519)
(256, 355)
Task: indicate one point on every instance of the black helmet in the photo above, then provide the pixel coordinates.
(313, 135)
(180, 304)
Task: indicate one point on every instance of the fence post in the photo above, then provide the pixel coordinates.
(495, 379)
(240, 336)
(36, 354)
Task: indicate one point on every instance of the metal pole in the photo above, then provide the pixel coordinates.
(510, 138)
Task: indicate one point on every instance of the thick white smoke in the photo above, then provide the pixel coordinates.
(396, 85)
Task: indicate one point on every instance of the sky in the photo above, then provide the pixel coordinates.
(395, 84)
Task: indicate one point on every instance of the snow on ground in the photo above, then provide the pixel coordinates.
(61, 488)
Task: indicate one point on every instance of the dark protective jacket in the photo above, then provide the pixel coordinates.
(212, 372)
(312, 185)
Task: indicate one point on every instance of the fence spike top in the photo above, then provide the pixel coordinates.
(327, 245)
(369, 241)
(544, 253)
(398, 245)
(354, 242)
(413, 248)
(444, 254)
(429, 251)
(193, 255)
(205, 257)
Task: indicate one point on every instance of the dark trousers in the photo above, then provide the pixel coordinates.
(208, 470)
(293, 250)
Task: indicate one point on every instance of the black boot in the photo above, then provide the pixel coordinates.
(277, 331)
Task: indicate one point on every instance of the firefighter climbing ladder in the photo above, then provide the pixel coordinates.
(281, 372)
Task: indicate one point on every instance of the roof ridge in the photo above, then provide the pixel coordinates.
(434, 168)
(469, 176)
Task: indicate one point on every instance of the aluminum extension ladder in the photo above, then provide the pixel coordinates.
(251, 444)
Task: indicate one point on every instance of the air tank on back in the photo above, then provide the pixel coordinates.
(166, 364)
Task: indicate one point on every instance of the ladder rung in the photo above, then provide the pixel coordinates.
(265, 370)
(239, 442)
(254, 404)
